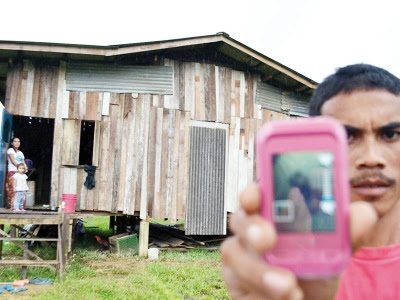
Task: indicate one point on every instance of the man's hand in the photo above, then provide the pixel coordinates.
(248, 276)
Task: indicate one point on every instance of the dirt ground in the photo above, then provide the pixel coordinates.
(25, 295)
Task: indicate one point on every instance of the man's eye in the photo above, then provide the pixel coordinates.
(390, 135)
(351, 136)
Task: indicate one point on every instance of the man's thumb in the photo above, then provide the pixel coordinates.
(363, 217)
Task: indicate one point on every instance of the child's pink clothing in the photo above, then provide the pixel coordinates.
(373, 273)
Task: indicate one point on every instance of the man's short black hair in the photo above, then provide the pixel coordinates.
(362, 77)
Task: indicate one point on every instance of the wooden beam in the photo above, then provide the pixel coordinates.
(30, 253)
(144, 238)
(269, 62)
(22, 262)
(266, 78)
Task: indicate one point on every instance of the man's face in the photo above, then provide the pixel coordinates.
(372, 120)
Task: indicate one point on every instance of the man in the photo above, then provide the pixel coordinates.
(366, 100)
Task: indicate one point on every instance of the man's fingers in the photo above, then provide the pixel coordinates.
(363, 217)
(253, 231)
(270, 281)
(250, 199)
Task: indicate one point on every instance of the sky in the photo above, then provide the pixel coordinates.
(312, 37)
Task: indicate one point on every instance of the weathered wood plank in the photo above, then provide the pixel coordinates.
(42, 84)
(53, 92)
(140, 148)
(218, 87)
(82, 106)
(124, 154)
(175, 97)
(190, 88)
(57, 139)
(251, 154)
(47, 91)
(99, 106)
(116, 131)
(106, 104)
(114, 99)
(156, 211)
(242, 93)
(170, 164)
(130, 159)
(168, 101)
(65, 107)
(69, 180)
(35, 92)
(146, 117)
(10, 72)
(92, 101)
(212, 94)
(181, 87)
(227, 95)
(180, 189)
(175, 167)
(37, 263)
(164, 164)
(236, 93)
(28, 66)
(200, 113)
(96, 144)
(248, 100)
(20, 106)
(104, 161)
(133, 205)
(207, 92)
(151, 158)
(186, 166)
(71, 142)
(81, 195)
(15, 88)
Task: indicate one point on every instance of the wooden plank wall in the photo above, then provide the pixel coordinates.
(144, 139)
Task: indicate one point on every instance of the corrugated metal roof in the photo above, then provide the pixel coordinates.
(219, 48)
(205, 214)
(275, 99)
(120, 79)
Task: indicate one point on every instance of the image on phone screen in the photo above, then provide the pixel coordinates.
(303, 191)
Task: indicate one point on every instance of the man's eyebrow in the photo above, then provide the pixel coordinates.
(351, 130)
(390, 126)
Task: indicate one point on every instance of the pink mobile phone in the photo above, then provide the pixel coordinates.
(302, 173)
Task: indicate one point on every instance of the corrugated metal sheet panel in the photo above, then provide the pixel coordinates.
(120, 79)
(272, 98)
(205, 213)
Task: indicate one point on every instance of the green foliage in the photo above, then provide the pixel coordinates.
(92, 274)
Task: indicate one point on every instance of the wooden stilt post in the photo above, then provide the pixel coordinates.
(144, 237)
(1, 242)
(24, 257)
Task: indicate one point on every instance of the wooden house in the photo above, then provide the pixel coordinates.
(170, 125)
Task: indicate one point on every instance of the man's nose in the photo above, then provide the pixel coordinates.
(370, 155)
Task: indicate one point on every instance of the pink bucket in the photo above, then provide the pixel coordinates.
(68, 203)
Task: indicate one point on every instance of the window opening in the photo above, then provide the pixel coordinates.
(86, 143)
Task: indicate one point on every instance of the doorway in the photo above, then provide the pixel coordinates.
(36, 135)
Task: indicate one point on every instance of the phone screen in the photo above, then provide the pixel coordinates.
(303, 191)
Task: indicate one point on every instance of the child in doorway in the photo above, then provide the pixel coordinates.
(20, 188)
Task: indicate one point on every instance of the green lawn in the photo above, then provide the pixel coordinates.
(91, 274)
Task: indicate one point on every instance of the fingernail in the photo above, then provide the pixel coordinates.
(275, 281)
(254, 233)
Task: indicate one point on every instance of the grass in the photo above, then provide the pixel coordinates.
(91, 274)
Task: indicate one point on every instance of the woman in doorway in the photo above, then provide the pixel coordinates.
(14, 157)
